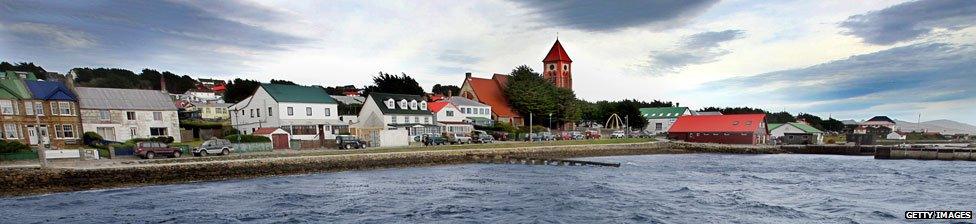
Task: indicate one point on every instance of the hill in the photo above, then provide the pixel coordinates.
(944, 126)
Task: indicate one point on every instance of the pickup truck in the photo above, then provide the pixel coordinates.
(455, 138)
(481, 137)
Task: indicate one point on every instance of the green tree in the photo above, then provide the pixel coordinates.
(832, 125)
(239, 89)
(528, 92)
(446, 90)
(401, 84)
(283, 82)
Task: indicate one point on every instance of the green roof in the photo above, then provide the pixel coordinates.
(297, 94)
(379, 98)
(773, 126)
(804, 127)
(13, 74)
(11, 89)
(662, 112)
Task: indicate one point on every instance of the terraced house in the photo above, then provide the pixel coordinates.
(123, 114)
(39, 112)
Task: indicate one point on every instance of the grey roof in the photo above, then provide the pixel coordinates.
(461, 101)
(707, 112)
(350, 100)
(214, 104)
(123, 99)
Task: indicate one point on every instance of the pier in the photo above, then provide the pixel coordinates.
(544, 161)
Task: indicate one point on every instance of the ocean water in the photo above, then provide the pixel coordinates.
(690, 188)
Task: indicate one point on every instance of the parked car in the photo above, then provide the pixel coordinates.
(546, 136)
(533, 137)
(349, 142)
(618, 134)
(478, 136)
(640, 134)
(500, 135)
(430, 139)
(592, 134)
(457, 138)
(149, 150)
(575, 135)
(214, 146)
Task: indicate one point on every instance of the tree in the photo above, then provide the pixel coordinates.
(239, 89)
(811, 119)
(832, 125)
(402, 84)
(529, 93)
(283, 82)
(39, 72)
(340, 90)
(446, 90)
(780, 117)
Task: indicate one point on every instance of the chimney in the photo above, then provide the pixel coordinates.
(467, 75)
(450, 93)
(162, 83)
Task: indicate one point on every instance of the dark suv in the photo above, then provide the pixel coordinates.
(149, 150)
(349, 142)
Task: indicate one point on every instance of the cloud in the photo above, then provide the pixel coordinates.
(56, 36)
(910, 20)
(918, 74)
(615, 15)
(698, 48)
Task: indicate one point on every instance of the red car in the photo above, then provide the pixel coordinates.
(592, 134)
(149, 150)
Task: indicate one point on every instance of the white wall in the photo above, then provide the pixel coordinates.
(442, 114)
(665, 125)
(261, 100)
(389, 138)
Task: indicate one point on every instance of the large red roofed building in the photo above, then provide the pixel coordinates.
(492, 93)
(725, 129)
(557, 65)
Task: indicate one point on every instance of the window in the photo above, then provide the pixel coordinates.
(308, 111)
(291, 111)
(64, 131)
(251, 113)
(10, 131)
(658, 126)
(54, 108)
(426, 120)
(394, 119)
(269, 111)
(389, 103)
(132, 132)
(104, 115)
(423, 105)
(450, 113)
(7, 107)
(29, 107)
(157, 131)
(258, 112)
(39, 108)
(552, 67)
(303, 130)
(66, 108)
(413, 104)
(158, 116)
(403, 104)
(566, 67)
(328, 112)
(748, 122)
(416, 119)
(131, 115)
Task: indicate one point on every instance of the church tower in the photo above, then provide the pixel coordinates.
(557, 67)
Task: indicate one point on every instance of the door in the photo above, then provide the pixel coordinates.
(37, 135)
(32, 135)
(279, 141)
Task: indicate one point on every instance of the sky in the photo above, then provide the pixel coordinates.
(842, 59)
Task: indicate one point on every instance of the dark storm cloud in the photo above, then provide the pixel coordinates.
(911, 20)
(698, 48)
(915, 73)
(614, 15)
(131, 30)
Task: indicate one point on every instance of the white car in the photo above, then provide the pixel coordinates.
(618, 134)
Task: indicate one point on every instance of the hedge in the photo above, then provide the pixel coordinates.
(247, 138)
(13, 146)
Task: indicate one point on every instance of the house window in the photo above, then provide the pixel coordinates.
(269, 111)
(104, 115)
(308, 111)
(54, 108)
(426, 120)
(394, 119)
(10, 131)
(403, 104)
(133, 132)
(291, 111)
(416, 119)
(252, 113)
(39, 108)
(413, 104)
(130, 115)
(206, 110)
(157, 131)
(658, 126)
(258, 112)
(29, 107)
(66, 108)
(389, 103)
(423, 105)
(328, 112)
(7, 107)
(158, 116)
(303, 130)
(450, 113)
(64, 131)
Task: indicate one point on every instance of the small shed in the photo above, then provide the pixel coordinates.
(280, 139)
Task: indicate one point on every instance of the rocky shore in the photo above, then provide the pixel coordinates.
(28, 181)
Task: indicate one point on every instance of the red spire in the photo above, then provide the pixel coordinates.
(557, 53)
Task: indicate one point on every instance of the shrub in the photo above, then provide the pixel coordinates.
(13, 146)
(88, 136)
(247, 138)
(228, 130)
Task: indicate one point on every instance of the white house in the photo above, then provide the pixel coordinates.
(896, 135)
(477, 113)
(450, 118)
(123, 114)
(397, 111)
(305, 112)
(795, 133)
(660, 119)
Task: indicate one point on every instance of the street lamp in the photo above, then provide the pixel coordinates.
(550, 122)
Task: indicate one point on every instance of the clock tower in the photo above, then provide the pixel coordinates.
(558, 67)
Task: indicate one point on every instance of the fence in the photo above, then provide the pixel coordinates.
(252, 147)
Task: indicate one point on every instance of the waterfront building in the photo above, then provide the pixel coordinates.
(398, 112)
(450, 118)
(38, 112)
(305, 112)
(660, 119)
(795, 133)
(725, 129)
(491, 92)
(123, 114)
(478, 114)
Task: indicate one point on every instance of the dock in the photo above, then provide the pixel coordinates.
(547, 161)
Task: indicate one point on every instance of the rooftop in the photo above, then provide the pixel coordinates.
(123, 99)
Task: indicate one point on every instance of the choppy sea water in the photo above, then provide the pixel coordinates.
(692, 188)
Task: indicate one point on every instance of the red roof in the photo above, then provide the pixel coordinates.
(264, 131)
(219, 88)
(437, 106)
(491, 92)
(718, 123)
(557, 53)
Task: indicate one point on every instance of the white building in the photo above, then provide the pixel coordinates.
(450, 118)
(123, 114)
(397, 111)
(305, 112)
(477, 113)
(660, 119)
(795, 133)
